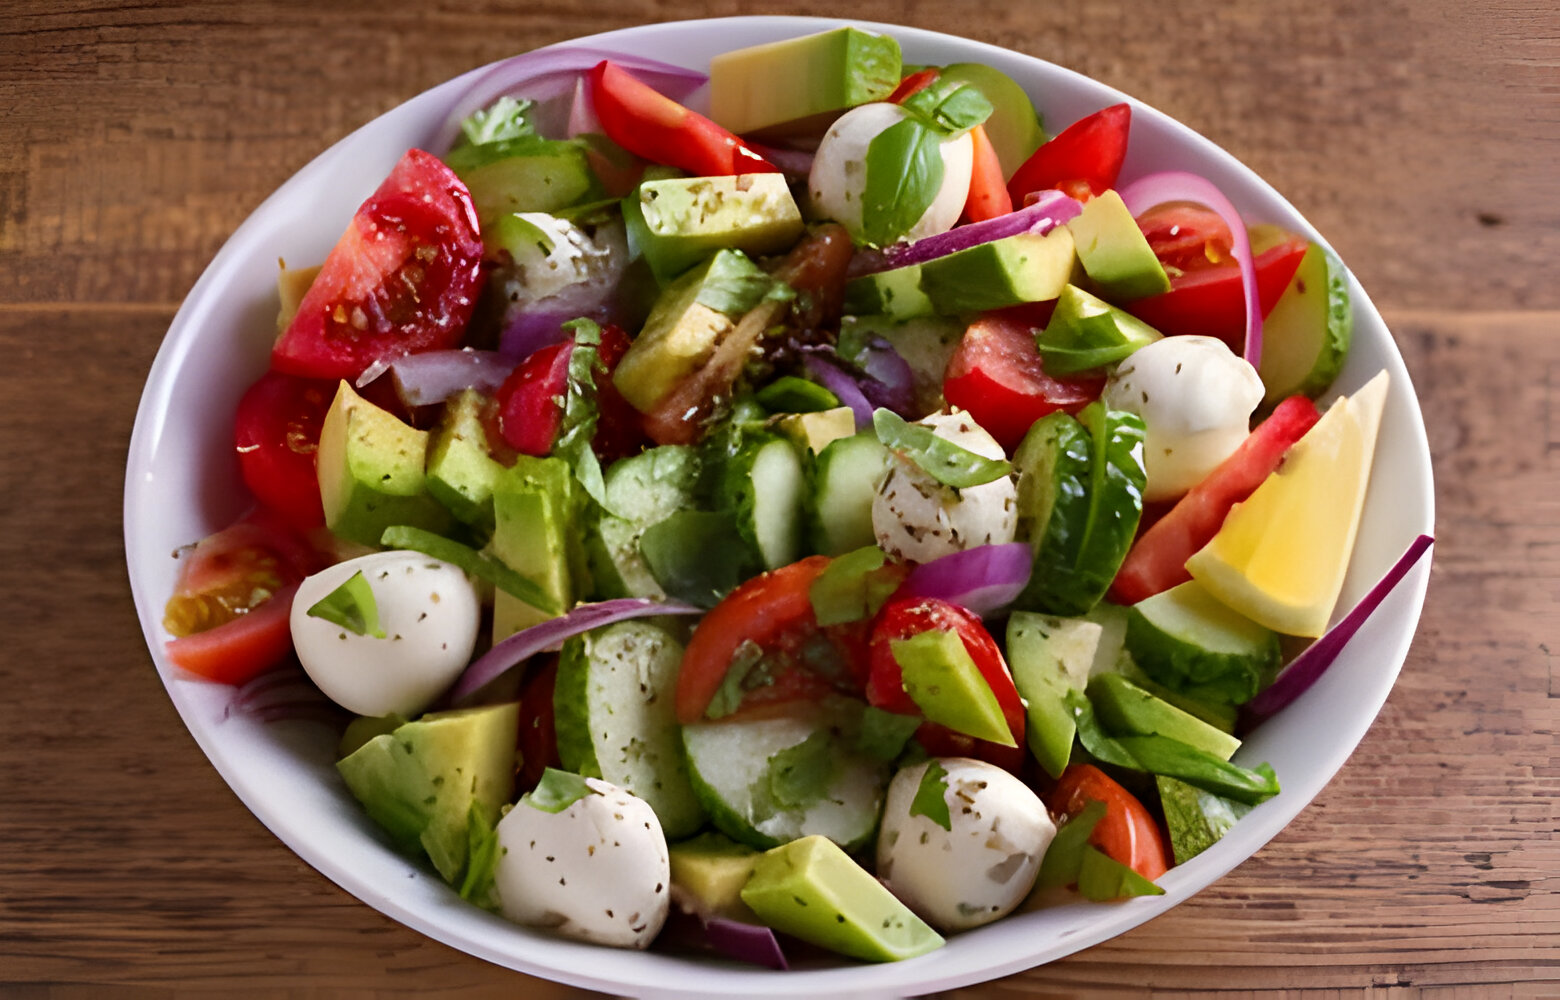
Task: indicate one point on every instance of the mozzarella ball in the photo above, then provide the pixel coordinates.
(597, 871)
(981, 868)
(915, 517)
(1196, 399)
(430, 614)
(839, 173)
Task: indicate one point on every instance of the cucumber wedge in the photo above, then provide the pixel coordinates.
(762, 487)
(846, 477)
(1305, 339)
(1186, 640)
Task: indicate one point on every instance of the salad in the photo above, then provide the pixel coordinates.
(846, 513)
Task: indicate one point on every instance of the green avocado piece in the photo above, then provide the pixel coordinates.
(1006, 272)
(675, 221)
(421, 780)
(1050, 656)
(1185, 639)
(942, 679)
(815, 431)
(370, 468)
(533, 534)
(811, 889)
(711, 871)
(292, 284)
(1086, 333)
(895, 293)
(1128, 710)
(1014, 126)
(1305, 339)
(1114, 252)
(526, 174)
(779, 82)
(461, 471)
(1195, 818)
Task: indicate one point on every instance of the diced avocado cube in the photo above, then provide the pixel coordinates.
(533, 534)
(1085, 333)
(711, 870)
(1114, 252)
(677, 221)
(942, 679)
(816, 431)
(1049, 657)
(370, 468)
(292, 284)
(461, 471)
(894, 293)
(778, 82)
(1128, 710)
(1006, 272)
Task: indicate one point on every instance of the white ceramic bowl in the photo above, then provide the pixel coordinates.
(182, 483)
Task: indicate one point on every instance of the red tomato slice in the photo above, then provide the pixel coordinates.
(996, 375)
(1186, 237)
(240, 649)
(1127, 833)
(988, 197)
(904, 617)
(276, 433)
(1211, 300)
(530, 402)
(914, 84)
(1084, 160)
(404, 277)
(649, 124)
(1157, 560)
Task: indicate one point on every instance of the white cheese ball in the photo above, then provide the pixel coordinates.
(915, 517)
(1196, 399)
(598, 871)
(430, 614)
(980, 869)
(839, 172)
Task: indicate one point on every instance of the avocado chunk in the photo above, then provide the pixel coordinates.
(1195, 818)
(422, 780)
(811, 889)
(1049, 657)
(1014, 126)
(461, 471)
(895, 293)
(1127, 710)
(816, 431)
(779, 82)
(1114, 252)
(675, 221)
(533, 534)
(708, 875)
(1086, 333)
(1305, 339)
(942, 679)
(370, 469)
(292, 284)
(1006, 272)
(1186, 640)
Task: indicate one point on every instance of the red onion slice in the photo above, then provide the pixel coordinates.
(550, 635)
(983, 579)
(1049, 210)
(835, 379)
(434, 376)
(284, 693)
(795, 164)
(1304, 670)
(752, 943)
(1176, 185)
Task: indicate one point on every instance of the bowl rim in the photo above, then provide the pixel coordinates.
(575, 964)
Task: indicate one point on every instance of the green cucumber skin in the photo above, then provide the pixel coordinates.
(1234, 674)
(845, 478)
(1333, 329)
(738, 493)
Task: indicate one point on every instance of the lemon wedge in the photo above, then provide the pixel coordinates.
(1281, 556)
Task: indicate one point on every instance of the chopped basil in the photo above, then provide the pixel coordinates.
(1103, 878)
(482, 854)
(789, 394)
(1064, 858)
(471, 562)
(745, 673)
(352, 606)
(800, 775)
(557, 791)
(931, 796)
(883, 735)
(904, 172)
(696, 556)
(733, 284)
(580, 410)
(950, 106)
(938, 457)
(854, 586)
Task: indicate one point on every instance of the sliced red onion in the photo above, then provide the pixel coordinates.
(284, 693)
(1177, 185)
(752, 943)
(1050, 209)
(1304, 670)
(549, 77)
(434, 376)
(835, 379)
(533, 329)
(983, 579)
(890, 381)
(795, 164)
(550, 635)
(582, 113)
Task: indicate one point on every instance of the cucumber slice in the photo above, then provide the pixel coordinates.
(614, 709)
(641, 491)
(763, 487)
(1186, 640)
(1305, 339)
(845, 479)
(768, 781)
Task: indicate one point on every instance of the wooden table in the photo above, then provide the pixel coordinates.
(1421, 138)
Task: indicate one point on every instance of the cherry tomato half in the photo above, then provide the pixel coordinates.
(1084, 160)
(1127, 833)
(276, 432)
(530, 402)
(649, 124)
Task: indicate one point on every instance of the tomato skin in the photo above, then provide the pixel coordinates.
(1157, 560)
(403, 278)
(241, 649)
(530, 401)
(649, 124)
(996, 375)
(903, 617)
(1127, 833)
(988, 197)
(276, 432)
(1211, 301)
(1186, 237)
(913, 84)
(1083, 160)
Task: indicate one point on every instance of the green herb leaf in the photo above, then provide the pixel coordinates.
(883, 735)
(1103, 878)
(854, 586)
(482, 854)
(696, 556)
(800, 775)
(471, 562)
(789, 394)
(504, 119)
(938, 457)
(581, 412)
(734, 284)
(931, 796)
(745, 673)
(1163, 755)
(557, 791)
(1095, 740)
(904, 172)
(352, 606)
(1064, 858)
(950, 106)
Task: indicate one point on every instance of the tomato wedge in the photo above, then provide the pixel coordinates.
(276, 432)
(403, 278)
(649, 124)
(241, 649)
(988, 197)
(914, 84)
(1157, 560)
(996, 375)
(1084, 160)
(1127, 833)
(530, 402)
(1211, 300)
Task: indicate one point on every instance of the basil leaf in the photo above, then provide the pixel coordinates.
(854, 586)
(482, 854)
(789, 394)
(883, 734)
(557, 791)
(696, 556)
(904, 172)
(1103, 878)
(504, 119)
(800, 775)
(733, 284)
(745, 673)
(938, 457)
(949, 105)
(471, 562)
(1095, 740)
(1163, 755)
(352, 606)
(581, 413)
(1063, 860)
(931, 796)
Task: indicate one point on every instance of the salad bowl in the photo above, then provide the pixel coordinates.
(182, 483)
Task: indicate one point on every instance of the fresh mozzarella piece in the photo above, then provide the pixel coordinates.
(430, 614)
(917, 518)
(564, 262)
(1196, 399)
(839, 173)
(983, 865)
(597, 871)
